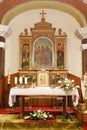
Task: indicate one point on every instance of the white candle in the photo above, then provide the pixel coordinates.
(85, 80)
(8, 77)
(25, 80)
(20, 80)
(16, 80)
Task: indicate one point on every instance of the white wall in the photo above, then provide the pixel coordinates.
(58, 19)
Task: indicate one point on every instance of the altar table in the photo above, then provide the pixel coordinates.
(40, 91)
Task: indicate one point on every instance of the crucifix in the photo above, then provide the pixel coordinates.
(43, 14)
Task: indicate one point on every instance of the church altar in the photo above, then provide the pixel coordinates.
(42, 54)
(41, 91)
(42, 63)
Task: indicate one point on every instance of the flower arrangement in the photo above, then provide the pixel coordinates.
(65, 83)
(59, 78)
(30, 77)
(39, 115)
(68, 84)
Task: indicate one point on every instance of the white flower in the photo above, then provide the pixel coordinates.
(59, 81)
(67, 87)
(39, 115)
(72, 80)
(39, 110)
(45, 115)
(26, 117)
(66, 79)
(67, 84)
(50, 116)
(30, 113)
(34, 115)
(77, 86)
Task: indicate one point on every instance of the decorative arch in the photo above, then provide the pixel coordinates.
(44, 4)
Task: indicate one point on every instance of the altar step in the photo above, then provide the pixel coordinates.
(31, 109)
(47, 109)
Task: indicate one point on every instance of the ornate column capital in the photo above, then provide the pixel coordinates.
(84, 44)
(5, 31)
(82, 33)
(2, 45)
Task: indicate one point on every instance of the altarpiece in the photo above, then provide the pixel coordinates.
(42, 54)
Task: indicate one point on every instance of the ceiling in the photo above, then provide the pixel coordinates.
(7, 5)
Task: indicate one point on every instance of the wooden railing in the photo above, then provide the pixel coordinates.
(77, 82)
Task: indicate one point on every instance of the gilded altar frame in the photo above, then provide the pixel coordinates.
(43, 35)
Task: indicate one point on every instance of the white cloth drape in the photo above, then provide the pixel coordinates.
(42, 91)
(83, 88)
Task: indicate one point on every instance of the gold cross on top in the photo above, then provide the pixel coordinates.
(43, 13)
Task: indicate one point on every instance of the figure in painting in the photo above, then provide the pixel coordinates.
(59, 54)
(60, 57)
(43, 53)
(40, 55)
(25, 61)
(48, 55)
(37, 55)
(43, 58)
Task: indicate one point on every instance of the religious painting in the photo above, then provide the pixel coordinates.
(25, 56)
(42, 53)
(60, 56)
(43, 79)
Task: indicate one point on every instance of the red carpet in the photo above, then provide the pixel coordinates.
(17, 110)
(8, 111)
(47, 109)
(85, 126)
(51, 121)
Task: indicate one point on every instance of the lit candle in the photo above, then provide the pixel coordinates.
(25, 79)
(20, 80)
(16, 80)
(8, 77)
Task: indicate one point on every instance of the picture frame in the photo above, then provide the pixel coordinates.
(42, 53)
(43, 79)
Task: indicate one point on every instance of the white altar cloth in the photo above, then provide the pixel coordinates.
(42, 91)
